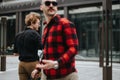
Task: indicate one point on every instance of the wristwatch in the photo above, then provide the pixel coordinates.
(56, 65)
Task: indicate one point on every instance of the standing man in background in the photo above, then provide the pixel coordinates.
(60, 44)
(26, 46)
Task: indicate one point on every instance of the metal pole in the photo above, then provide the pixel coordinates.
(66, 12)
(101, 33)
(107, 22)
(3, 44)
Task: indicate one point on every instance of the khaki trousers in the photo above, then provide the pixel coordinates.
(72, 76)
(25, 69)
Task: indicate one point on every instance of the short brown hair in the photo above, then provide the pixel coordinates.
(31, 18)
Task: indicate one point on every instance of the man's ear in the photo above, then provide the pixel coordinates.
(41, 7)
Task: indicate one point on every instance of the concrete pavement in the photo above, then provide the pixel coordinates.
(87, 70)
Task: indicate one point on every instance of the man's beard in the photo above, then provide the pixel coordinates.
(51, 14)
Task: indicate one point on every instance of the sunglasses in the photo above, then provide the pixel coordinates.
(47, 3)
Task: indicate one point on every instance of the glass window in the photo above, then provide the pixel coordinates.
(87, 21)
(9, 31)
(116, 31)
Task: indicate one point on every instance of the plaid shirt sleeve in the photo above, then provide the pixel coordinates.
(71, 41)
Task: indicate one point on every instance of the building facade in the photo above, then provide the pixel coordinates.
(86, 14)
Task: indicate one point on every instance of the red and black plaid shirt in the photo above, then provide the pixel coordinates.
(61, 44)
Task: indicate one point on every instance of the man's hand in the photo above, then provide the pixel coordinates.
(34, 74)
(48, 64)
